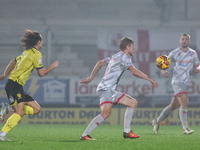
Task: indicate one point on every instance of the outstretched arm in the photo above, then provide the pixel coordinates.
(42, 72)
(96, 68)
(140, 74)
(8, 69)
(197, 68)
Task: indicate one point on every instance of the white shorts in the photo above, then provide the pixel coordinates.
(109, 97)
(179, 88)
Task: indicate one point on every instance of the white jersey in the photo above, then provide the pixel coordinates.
(117, 64)
(184, 65)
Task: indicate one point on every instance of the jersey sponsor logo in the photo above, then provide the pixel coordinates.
(11, 99)
(184, 63)
(19, 96)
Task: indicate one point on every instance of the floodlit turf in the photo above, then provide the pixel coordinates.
(61, 137)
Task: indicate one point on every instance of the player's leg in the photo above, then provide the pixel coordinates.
(16, 97)
(168, 110)
(4, 106)
(105, 112)
(12, 120)
(106, 106)
(131, 104)
(183, 99)
(165, 113)
(31, 107)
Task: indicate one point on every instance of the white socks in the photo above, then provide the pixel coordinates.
(128, 118)
(2, 133)
(183, 116)
(164, 114)
(98, 119)
(93, 124)
(182, 113)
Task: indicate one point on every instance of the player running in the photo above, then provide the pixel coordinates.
(116, 65)
(23, 65)
(187, 62)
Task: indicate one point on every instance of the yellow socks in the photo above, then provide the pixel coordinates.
(28, 110)
(11, 122)
(15, 118)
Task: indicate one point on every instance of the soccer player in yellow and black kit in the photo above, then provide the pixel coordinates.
(22, 66)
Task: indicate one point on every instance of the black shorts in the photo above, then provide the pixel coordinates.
(15, 93)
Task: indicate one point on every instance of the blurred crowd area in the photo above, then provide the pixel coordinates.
(71, 28)
(78, 33)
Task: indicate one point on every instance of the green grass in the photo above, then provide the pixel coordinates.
(59, 137)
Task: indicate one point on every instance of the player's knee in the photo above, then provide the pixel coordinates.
(106, 114)
(20, 112)
(133, 104)
(173, 107)
(37, 110)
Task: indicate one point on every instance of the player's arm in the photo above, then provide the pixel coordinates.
(197, 68)
(8, 69)
(42, 72)
(96, 68)
(165, 73)
(171, 55)
(140, 74)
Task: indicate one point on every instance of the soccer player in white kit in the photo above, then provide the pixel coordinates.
(116, 65)
(186, 62)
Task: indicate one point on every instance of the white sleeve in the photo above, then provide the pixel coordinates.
(107, 60)
(127, 62)
(196, 59)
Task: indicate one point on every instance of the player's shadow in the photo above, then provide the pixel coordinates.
(65, 141)
(70, 141)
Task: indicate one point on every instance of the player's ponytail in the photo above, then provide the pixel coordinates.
(30, 39)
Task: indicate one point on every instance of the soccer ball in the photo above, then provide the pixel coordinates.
(163, 62)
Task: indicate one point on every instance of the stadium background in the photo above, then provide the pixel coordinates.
(79, 33)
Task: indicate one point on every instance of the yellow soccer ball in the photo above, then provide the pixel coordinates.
(163, 62)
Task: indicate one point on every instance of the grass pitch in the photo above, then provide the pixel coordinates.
(61, 137)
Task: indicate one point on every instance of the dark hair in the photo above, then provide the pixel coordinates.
(124, 42)
(30, 39)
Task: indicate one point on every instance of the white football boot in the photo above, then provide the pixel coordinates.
(155, 126)
(188, 131)
(4, 138)
(4, 110)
